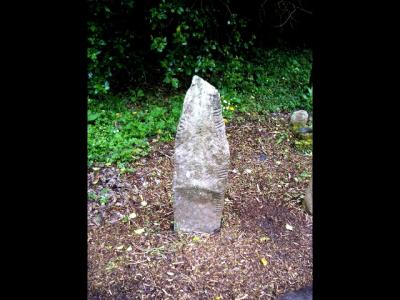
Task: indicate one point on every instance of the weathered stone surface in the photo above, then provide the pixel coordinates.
(308, 198)
(201, 161)
(299, 118)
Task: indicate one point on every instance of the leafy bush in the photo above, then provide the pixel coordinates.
(190, 40)
(139, 42)
(276, 80)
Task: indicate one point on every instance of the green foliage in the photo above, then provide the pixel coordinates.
(92, 196)
(304, 146)
(136, 95)
(119, 127)
(275, 80)
(120, 131)
(115, 51)
(104, 196)
(187, 39)
(134, 44)
(281, 137)
(182, 37)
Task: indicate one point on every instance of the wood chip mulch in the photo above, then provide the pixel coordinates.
(264, 247)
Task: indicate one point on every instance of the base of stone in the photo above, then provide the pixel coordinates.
(180, 228)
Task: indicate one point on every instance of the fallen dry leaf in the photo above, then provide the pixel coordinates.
(139, 231)
(264, 261)
(196, 239)
(264, 239)
(289, 227)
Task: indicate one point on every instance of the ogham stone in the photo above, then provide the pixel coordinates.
(201, 161)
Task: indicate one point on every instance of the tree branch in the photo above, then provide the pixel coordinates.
(288, 18)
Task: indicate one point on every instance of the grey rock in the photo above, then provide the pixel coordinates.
(305, 130)
(98, 219)
(304, 133)
(308, 199)
(201, 161)
(301, 294)
(299, 118)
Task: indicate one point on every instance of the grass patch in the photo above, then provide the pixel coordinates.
(118, 130)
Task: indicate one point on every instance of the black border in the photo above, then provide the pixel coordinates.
(45, 136)
(47, 172)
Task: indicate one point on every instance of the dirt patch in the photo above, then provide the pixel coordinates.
(263, 250)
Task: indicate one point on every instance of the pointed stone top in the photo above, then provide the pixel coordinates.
(197, 80)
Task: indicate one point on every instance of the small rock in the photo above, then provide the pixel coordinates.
(304, 130)
(289, 227)
(98, 219)
(299, 118)
(304, 133)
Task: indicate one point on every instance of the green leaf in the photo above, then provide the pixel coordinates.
(93, 116)
(175, 83)
(140, 93)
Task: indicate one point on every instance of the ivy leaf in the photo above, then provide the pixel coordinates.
(93, 116)
(175, 82)
(140, 93)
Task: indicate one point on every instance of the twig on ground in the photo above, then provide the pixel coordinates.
(262, 146)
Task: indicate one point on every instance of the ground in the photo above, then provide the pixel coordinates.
(264, 247)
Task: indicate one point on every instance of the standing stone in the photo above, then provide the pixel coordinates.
(299, 118)
(201, 161)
